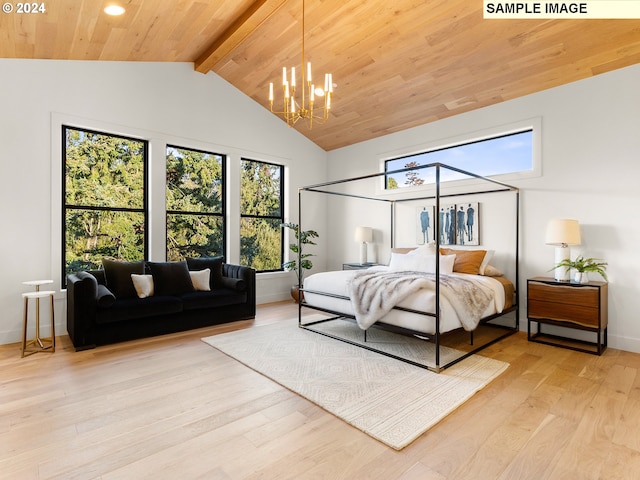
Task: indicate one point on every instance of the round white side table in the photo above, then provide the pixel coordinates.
(39, 344)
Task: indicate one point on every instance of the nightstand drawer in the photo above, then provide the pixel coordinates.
(571, 295)
(578, 314)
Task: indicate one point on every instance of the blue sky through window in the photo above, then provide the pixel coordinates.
(494, 156)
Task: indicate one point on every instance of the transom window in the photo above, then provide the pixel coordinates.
(497, 155)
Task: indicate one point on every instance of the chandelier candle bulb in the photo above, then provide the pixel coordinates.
(309, 72)
(271, 92)
(293, 76)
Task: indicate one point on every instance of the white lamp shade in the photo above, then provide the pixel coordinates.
(363, 234)
(563, 232)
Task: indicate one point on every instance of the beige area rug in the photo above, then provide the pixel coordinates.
(392, 401)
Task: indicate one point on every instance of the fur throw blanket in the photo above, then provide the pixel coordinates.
(374, 294)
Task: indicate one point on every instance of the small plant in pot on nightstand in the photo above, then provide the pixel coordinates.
(305, 237)
(583, 266)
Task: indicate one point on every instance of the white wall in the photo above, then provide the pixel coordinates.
(590, 172)
(162, 102)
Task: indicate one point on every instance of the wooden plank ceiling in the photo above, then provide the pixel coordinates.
(396, 64)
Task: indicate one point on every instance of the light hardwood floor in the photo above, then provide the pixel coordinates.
(172, 407)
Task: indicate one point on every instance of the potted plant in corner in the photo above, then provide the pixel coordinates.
(301, 262)
(583, 266)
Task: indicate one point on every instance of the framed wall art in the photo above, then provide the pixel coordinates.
(425, 225)
(467, 224)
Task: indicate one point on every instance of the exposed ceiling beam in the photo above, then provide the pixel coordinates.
(244, 25)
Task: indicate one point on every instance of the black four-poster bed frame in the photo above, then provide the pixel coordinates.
(494, 187)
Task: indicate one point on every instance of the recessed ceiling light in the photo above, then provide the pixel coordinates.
(114, 10)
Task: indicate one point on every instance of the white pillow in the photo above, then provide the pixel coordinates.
(425, 258)
(446, 264)
(485, 261)
(400, 261)
(428, 249)
(200, 280)
(143, 285)
(421, 263)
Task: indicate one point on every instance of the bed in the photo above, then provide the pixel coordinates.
(432, 292)
(330, 291)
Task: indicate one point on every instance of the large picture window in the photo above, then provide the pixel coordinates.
(104, 199)
(498, 155)
(261, 213)
(195, 203)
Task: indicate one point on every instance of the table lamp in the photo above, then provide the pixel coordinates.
(562, 233)
(363, 235)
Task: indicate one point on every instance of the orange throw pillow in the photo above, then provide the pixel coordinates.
(467, 261)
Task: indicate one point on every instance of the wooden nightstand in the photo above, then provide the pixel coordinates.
(358, 266)
(580, 306)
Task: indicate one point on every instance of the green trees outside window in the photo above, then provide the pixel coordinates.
(195, 203)
(261, 212)
(105, 199)
(105, 205)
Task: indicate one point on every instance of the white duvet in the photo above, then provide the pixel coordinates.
(337, 283)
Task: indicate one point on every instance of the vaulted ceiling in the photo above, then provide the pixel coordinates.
(396, 64)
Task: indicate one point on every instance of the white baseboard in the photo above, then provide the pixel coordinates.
(15, 336)
(273, 297)
(624, 343)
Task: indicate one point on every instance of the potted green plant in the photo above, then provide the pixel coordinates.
(301, 262)
(583, 266)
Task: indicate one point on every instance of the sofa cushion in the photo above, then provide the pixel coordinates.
(143, 285)
(133, 308)
(237, 284)
(212, 263)
(170, 278)
(104, 297)
(201, 279)
(118, 276)
(215, 298)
